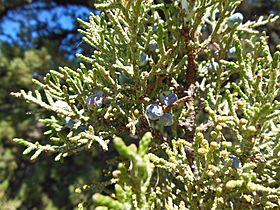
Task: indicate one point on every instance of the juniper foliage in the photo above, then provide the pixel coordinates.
(222, 149)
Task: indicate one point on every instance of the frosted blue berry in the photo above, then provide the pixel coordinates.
(169, 99)
(154, 111)
(95, 100)
(231, 52)
(62, 105)
(212, 66)
(36, 74)
(235, 19)
(143, 59)
(153, 45)
(236, 162)
(166, 119)
(69, 123)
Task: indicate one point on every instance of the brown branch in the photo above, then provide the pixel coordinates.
(192, 56)
(190, 83)
(189, 123)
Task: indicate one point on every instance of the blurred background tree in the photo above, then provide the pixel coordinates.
(36, 36)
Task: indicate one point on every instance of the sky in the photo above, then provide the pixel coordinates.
(11, 25)
(54, 19)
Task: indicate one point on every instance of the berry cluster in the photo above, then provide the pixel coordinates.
(155, 111)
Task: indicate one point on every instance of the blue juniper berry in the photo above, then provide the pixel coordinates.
(153, 45)
(169, 99)
(95, 100)
(236, 162)
(235, 20)
(143, 59)
(154, 111)
(166, 119)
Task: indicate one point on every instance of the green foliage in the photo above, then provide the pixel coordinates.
(222, 151)
(133, 185)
